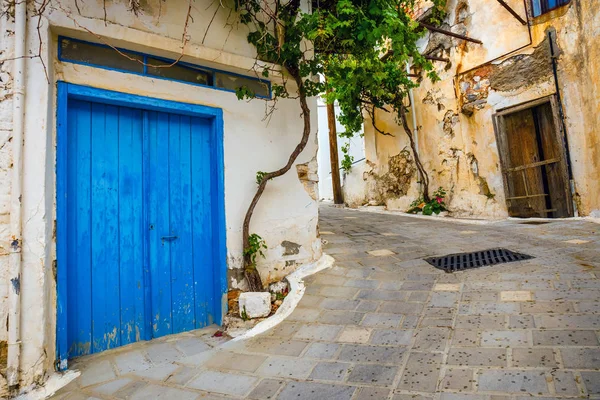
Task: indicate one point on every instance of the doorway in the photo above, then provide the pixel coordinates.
(140, 219)
(534, 163)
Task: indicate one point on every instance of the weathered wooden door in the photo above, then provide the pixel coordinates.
(534, 162)
(139, 227)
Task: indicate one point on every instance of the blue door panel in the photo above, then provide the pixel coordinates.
(131, 229)
(78, 228)
(182, 277)
(202, 226)
(159, 218)
(140, 260)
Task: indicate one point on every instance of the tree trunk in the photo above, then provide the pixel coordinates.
(251, 273)
(422, 172)
(333, 156)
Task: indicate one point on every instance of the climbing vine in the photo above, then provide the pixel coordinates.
(361, 46)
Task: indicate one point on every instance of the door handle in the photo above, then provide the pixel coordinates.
(169, 238)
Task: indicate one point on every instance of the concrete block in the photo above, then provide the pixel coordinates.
(565, 338)
(371, 354)
(330, 371)
(524, 357)
(311, 390)
(255, 304)
(373, 374)
(355, 334)
(370, 393)
(392, 337)
(266, 389)
(477, 357)
(286, 367)
(322, 350)
(97, 372)
(565, 382)
(423, 374)
(458, 379)
(581, 358)
(592, 381)
(229, 384)
(516, 381)
(381, 320)
(516, 295)
(504, 338)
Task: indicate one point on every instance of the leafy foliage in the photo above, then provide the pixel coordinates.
(348, 160)
(361, 46)
(260, 175)
(256, 245)
(435, 205)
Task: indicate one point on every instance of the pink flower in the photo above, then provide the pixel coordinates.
(439, 200)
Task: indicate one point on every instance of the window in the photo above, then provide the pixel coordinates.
(80, 52)
(540, 7)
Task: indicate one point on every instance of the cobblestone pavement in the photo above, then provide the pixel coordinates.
(383, 324)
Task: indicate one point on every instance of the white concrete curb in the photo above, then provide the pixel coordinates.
(292, 299)
(381, 210)
(56, 381)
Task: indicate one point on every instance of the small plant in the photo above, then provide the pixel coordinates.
(436, 205)
(279, 296)
(348, 159)
(256, 245)
(260, 175)
(243, 92)
(244, 314)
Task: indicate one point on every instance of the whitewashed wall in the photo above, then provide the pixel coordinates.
(356, 150)
(288, 210)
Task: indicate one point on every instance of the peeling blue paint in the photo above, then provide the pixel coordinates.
(138, 169)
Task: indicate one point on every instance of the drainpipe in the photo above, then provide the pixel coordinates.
(14, 293)
(414, 124)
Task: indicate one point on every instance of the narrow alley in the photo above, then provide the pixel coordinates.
(384, 324)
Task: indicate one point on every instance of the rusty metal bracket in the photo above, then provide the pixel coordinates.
(513, 12)
(449, 33)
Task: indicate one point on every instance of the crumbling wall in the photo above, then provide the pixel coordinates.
(456, 137)
(6, 110)
(287, 212)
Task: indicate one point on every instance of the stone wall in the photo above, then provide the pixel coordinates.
(454, 116)
(287, 213)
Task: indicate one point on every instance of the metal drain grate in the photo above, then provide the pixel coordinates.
(462, 261)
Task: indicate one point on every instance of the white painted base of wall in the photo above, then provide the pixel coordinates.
(56, 382)
(290, 302)
(382, 210)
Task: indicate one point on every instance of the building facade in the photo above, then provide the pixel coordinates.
(511, 127)
(127, 164)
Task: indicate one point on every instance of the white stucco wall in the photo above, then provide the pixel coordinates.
(288, 210)
(356, 150)
(6, 109)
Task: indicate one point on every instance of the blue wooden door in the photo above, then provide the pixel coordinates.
(138, 223)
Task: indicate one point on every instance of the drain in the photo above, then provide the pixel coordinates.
(535, 222)
(462, 261)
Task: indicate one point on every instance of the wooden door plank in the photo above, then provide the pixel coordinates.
(79, 212)
(181, 261)
(523, 150)
(158, 210)
(559, 133)
(534, 165)
(105, 235)
(131, 234)
(202, 221)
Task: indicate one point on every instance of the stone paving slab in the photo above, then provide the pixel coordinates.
(384, 324)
